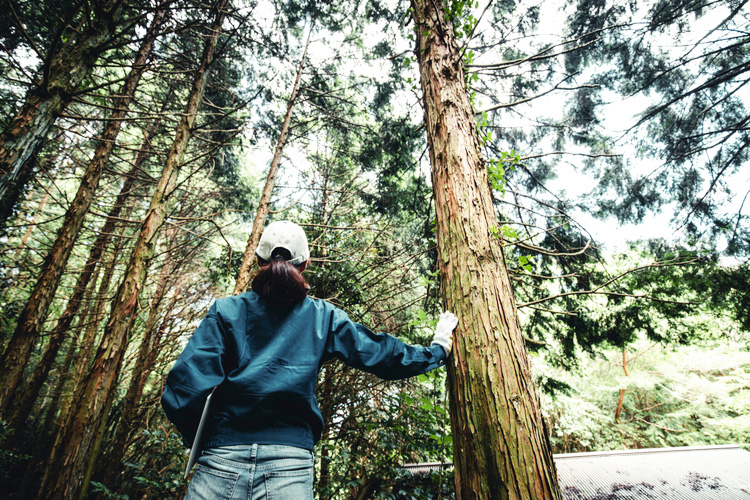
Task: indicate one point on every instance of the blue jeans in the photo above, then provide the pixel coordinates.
(253, 472)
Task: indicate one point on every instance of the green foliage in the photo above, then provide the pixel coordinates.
(687, 396)
(153, 469)
(459, 13)
(11, 304)
(389, 152)
(496, 168)
(222, 269)
(431, 485)
(12, 463)
(101, 490)
(668, 294)
(406, 424)
(687, 130)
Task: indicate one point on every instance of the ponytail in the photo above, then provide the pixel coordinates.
(278, 281)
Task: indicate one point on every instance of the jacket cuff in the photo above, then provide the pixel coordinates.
(439, 352)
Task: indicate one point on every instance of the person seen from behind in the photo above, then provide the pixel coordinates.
(263, 349)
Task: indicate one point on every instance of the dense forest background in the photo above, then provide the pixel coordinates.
(134, 159)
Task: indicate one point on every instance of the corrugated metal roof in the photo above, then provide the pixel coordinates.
(689, 473)
(427, 467)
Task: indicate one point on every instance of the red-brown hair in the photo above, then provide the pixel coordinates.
(280, 282)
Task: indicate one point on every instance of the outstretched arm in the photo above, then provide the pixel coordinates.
(384, 355)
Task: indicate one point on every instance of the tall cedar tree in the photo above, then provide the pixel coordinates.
(264, 204)
(500, 443)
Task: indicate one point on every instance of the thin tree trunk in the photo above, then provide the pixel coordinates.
(55, 422)
(94, 318)
(47, 422)
(96, 315)
(22, 415)
(134, 414)
(500, 443)
(18, 351)
(618, 411)
(323, 221)
(29, 229)
(56, 410)
(18, 219)
(63, 73)
(26, 397)
(70, 464)
(248, 258)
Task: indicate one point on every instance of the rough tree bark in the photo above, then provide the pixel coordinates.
(107, 234)
(62, 73)
(500, 443)
(70, 464)
(18, 351)
(248, 258)
(112, 468)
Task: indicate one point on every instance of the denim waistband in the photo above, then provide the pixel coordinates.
(248, 455)
(286, 436)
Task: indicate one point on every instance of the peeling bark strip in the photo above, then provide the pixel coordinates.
(69, 467)
(500, 443)
(17, 354)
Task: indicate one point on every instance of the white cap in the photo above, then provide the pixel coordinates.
(284, 234)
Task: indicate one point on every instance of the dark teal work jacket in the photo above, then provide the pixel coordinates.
(265, 361)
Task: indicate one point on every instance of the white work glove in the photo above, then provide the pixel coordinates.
(444, 331)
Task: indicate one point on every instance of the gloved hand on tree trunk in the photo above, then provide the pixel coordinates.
(444, 331)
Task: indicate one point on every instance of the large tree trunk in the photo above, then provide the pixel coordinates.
(63, 72)
(500, 442)
(112, 467)
(18, 351)
(77, 445)
(248, 258)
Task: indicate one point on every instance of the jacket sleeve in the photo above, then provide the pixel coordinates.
(198, 369)
(381, 354)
